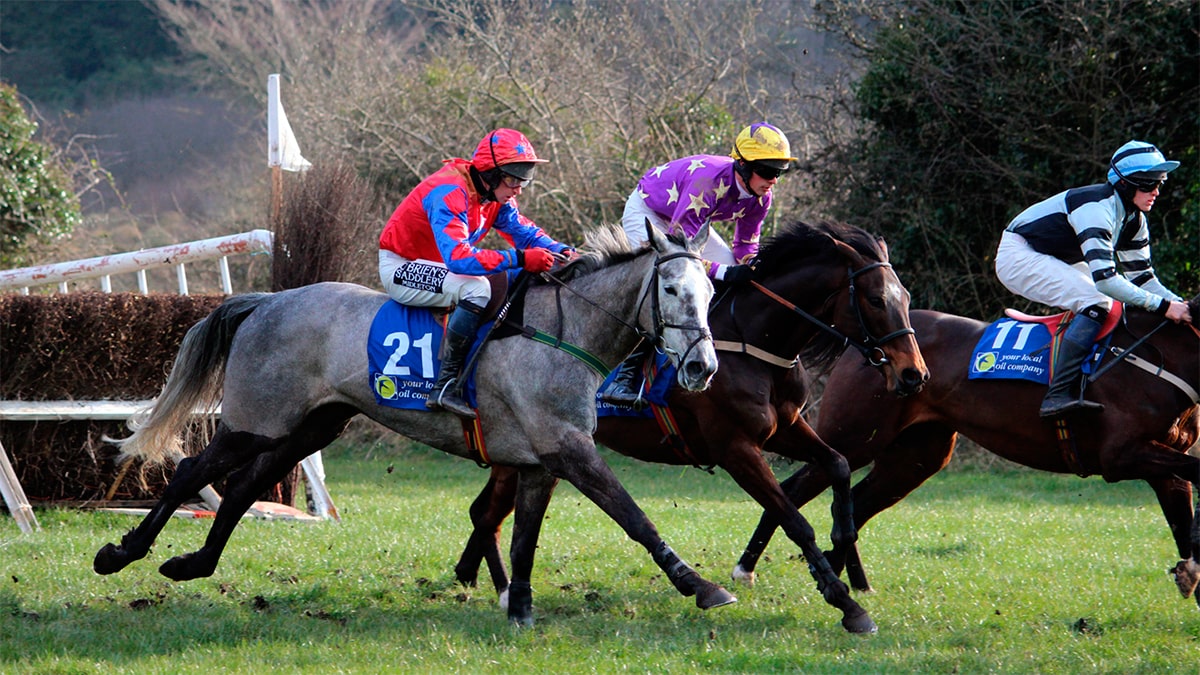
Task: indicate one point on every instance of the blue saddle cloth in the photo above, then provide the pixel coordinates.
(402, 356)
(1012, 350)
(660, 386)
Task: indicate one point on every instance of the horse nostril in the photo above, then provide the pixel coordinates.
(696, 370)
(913, 380)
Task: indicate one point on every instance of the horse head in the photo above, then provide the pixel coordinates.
(681, 292)
(880, 304)
(839, 278)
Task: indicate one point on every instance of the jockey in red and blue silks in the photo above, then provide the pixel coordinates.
(429, 254)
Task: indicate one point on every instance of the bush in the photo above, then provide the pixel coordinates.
(36, 196)
(86, 346)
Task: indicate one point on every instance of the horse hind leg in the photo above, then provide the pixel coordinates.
(494, 503)
(273, 459)
(191, 475)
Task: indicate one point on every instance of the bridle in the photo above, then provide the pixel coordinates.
(871, 347)
(655, 336)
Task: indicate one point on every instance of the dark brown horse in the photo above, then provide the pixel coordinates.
(812, 278)
(1148, 423)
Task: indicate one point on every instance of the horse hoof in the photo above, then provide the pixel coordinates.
(1187, 577)
(504, 599)
(183, 568)
(859, 622)
(743, 577)
(521, 621)
(110, 559)
(714, 596)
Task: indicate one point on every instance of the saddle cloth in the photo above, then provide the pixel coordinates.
(1012, 350)
(1019, 346)
(659, 376)
(403, 356)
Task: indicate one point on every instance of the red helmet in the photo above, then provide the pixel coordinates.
(506, 148)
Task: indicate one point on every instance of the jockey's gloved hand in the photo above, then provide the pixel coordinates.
(736, 275)
(536, 260)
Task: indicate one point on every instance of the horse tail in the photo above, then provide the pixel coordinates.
(195, 384)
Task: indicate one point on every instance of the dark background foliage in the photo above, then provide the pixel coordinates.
(980, 109)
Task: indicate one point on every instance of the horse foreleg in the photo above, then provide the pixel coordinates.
(1175, 500)
(1160, 462)
(494, 503)
(917, 454)
(752, 473)
(799, 441)
(191, 475)
(800, 488)
(535, 486)
(579, 464)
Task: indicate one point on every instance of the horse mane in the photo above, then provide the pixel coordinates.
(602, 247)
(799, 243)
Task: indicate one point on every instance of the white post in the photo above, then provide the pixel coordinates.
(14, 496)
(314, 472)
(226, 284)
(181, 274)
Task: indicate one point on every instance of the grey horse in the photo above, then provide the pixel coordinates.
(290, 371)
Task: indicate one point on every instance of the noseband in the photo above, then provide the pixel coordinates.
(871, 347)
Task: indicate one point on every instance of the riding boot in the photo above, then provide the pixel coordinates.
(460, 335)
(1073, 351)
(625, 388)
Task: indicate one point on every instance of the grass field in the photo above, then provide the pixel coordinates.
(1004, 571)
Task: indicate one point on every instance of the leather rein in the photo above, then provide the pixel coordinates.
(660, 325)
(871, 347)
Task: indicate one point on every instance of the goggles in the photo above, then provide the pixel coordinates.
(766, 172)
(1145, 184)
(512, 182)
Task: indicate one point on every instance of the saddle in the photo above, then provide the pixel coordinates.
(1053, 322)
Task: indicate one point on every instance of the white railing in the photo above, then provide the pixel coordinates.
(103, 267)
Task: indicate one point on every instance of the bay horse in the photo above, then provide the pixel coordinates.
(822, 287)
(290, 370)
(1148, 423)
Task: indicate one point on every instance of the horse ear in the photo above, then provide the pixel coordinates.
(696, 243)
(848, 252)
(883, 247)
(656, 238)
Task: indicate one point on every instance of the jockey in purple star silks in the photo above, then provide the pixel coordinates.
(691, 191)
(429, 254)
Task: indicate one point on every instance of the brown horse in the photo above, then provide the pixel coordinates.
(1148, 423)
(836, 272)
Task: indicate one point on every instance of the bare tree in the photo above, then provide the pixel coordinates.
(604, 89)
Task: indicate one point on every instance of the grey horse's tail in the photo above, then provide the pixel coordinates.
(195, 384)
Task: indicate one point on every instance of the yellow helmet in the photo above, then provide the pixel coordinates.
(765, 144)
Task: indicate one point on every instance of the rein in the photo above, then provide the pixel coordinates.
(1126, 354)
(871, 347)
(655, 337)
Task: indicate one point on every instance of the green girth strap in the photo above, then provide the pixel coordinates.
(583, 355)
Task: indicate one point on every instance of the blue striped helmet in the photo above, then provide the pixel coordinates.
(1136, 157)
